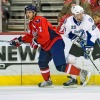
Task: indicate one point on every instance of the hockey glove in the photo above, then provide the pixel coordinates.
(34, 44)
(83, 44)
(88, 51)
(79, 42)
(16, 41)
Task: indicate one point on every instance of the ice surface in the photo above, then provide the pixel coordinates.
(50, 93)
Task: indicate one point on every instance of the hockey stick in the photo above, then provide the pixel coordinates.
(92, 62)
(90, 59)
(87, 54)
(7, 41)
(4, 41)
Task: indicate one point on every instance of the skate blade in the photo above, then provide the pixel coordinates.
(88, 77)
(47, 87)
(71, 86)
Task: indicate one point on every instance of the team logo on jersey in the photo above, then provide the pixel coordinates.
(34, 33)
(80, 33)
(73, 27)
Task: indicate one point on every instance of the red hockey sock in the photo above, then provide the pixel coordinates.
(45, 73)
(71, 69)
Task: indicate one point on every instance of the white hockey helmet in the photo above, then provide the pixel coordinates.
(77, 9)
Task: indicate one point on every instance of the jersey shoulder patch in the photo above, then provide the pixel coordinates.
(90, 20)
(93, 27)
(37, 21)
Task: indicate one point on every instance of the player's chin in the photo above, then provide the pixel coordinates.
(79, 20)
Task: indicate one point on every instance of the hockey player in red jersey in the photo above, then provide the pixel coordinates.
(52, 46)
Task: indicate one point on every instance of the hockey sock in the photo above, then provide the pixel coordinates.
(45, 73)
(71, 69)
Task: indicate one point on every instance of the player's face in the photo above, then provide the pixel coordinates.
(79, 17)
(96, 19)
(30, 14)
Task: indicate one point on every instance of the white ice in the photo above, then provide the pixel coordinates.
(50, 93)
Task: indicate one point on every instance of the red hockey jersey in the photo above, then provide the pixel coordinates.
(43, 31)
(93, 3)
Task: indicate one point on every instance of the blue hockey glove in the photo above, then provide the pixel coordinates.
(87, 51)
(82, 44)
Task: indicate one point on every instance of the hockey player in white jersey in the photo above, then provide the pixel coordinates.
(80, 28)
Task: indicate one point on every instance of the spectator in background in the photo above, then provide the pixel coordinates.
(96, 17)
(65, 12)
(66, 9)
(94, 4)
(5, 14)
(6, 8)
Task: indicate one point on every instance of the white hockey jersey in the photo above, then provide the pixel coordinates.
(85, 29)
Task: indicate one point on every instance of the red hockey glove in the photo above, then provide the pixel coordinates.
(34, 44)
(16, 41)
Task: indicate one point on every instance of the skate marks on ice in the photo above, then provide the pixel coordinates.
(56, 93)
(52, 89)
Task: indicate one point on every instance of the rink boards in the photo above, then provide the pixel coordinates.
(18, 66)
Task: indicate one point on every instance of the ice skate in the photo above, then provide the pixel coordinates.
(71, 82)
(45, 83)
(84, 76)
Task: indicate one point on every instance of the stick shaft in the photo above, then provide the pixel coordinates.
(94, 64)
(4, 41)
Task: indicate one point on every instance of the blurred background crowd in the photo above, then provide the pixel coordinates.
(92, 7)
(5, 13)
